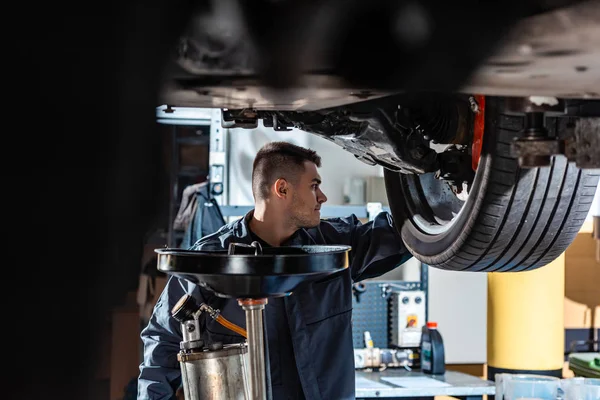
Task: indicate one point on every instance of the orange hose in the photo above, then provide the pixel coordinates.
(231, 326)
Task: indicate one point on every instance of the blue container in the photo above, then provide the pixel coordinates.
(526, 387)
(580, 389)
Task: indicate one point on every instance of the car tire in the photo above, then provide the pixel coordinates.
(513, 219)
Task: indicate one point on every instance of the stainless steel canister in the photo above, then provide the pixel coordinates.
(217, 373)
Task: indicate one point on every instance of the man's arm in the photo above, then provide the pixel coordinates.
(376, 246)
(160, 374)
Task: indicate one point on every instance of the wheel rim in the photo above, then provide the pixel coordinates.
(432, 204)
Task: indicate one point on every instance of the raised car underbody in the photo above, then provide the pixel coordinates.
(349, 71)
(307, 56)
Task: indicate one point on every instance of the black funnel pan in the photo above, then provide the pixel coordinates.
(249, 271)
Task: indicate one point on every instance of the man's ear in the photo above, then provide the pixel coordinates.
(281, 188)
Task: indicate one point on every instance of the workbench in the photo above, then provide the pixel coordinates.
(400, 383)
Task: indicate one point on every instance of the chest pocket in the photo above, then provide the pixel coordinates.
(327, 298)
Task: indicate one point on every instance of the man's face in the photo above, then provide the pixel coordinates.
(307, 198)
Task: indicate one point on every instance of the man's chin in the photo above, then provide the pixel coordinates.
(311, 224)
(317, 221)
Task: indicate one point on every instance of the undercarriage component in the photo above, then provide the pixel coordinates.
(534, 104)
(585, 149)
(375, 138)
(580, 136)
(456, 168)
(402, 133)
(246, 118)
(391, 138)
(478, 107)
(444, 119)
(582, 108)
(581, 146)
(396, 132)
(535, 148)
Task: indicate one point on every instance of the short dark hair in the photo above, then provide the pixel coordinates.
(277, 160)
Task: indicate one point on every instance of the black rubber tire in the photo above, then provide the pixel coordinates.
(514, 219)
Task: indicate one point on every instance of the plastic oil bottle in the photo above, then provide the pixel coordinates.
(432, 350)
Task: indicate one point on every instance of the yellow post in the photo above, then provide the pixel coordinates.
(525, 329)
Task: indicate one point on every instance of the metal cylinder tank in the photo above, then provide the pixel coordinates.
(216, 374)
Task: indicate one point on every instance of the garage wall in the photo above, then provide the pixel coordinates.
(337, 164)
(458, 303)
(243, 146)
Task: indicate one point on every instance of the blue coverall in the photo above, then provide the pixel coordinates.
(309, 332)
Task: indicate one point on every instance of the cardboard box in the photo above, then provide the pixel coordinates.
(582, 282)
(125, 351)
(582, 293)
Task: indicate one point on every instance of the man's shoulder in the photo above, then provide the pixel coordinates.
(337, 230)
(350, 220)
(218, 240)
(345, 218)
(333, 229)
(210, 242)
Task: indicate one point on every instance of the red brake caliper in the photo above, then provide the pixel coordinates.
(478, 131)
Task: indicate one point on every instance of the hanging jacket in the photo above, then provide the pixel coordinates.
(206, 216)
(308, 333)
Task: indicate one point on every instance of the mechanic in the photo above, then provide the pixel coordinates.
(308, 333)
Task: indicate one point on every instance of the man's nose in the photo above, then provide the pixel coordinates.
(321, 198)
